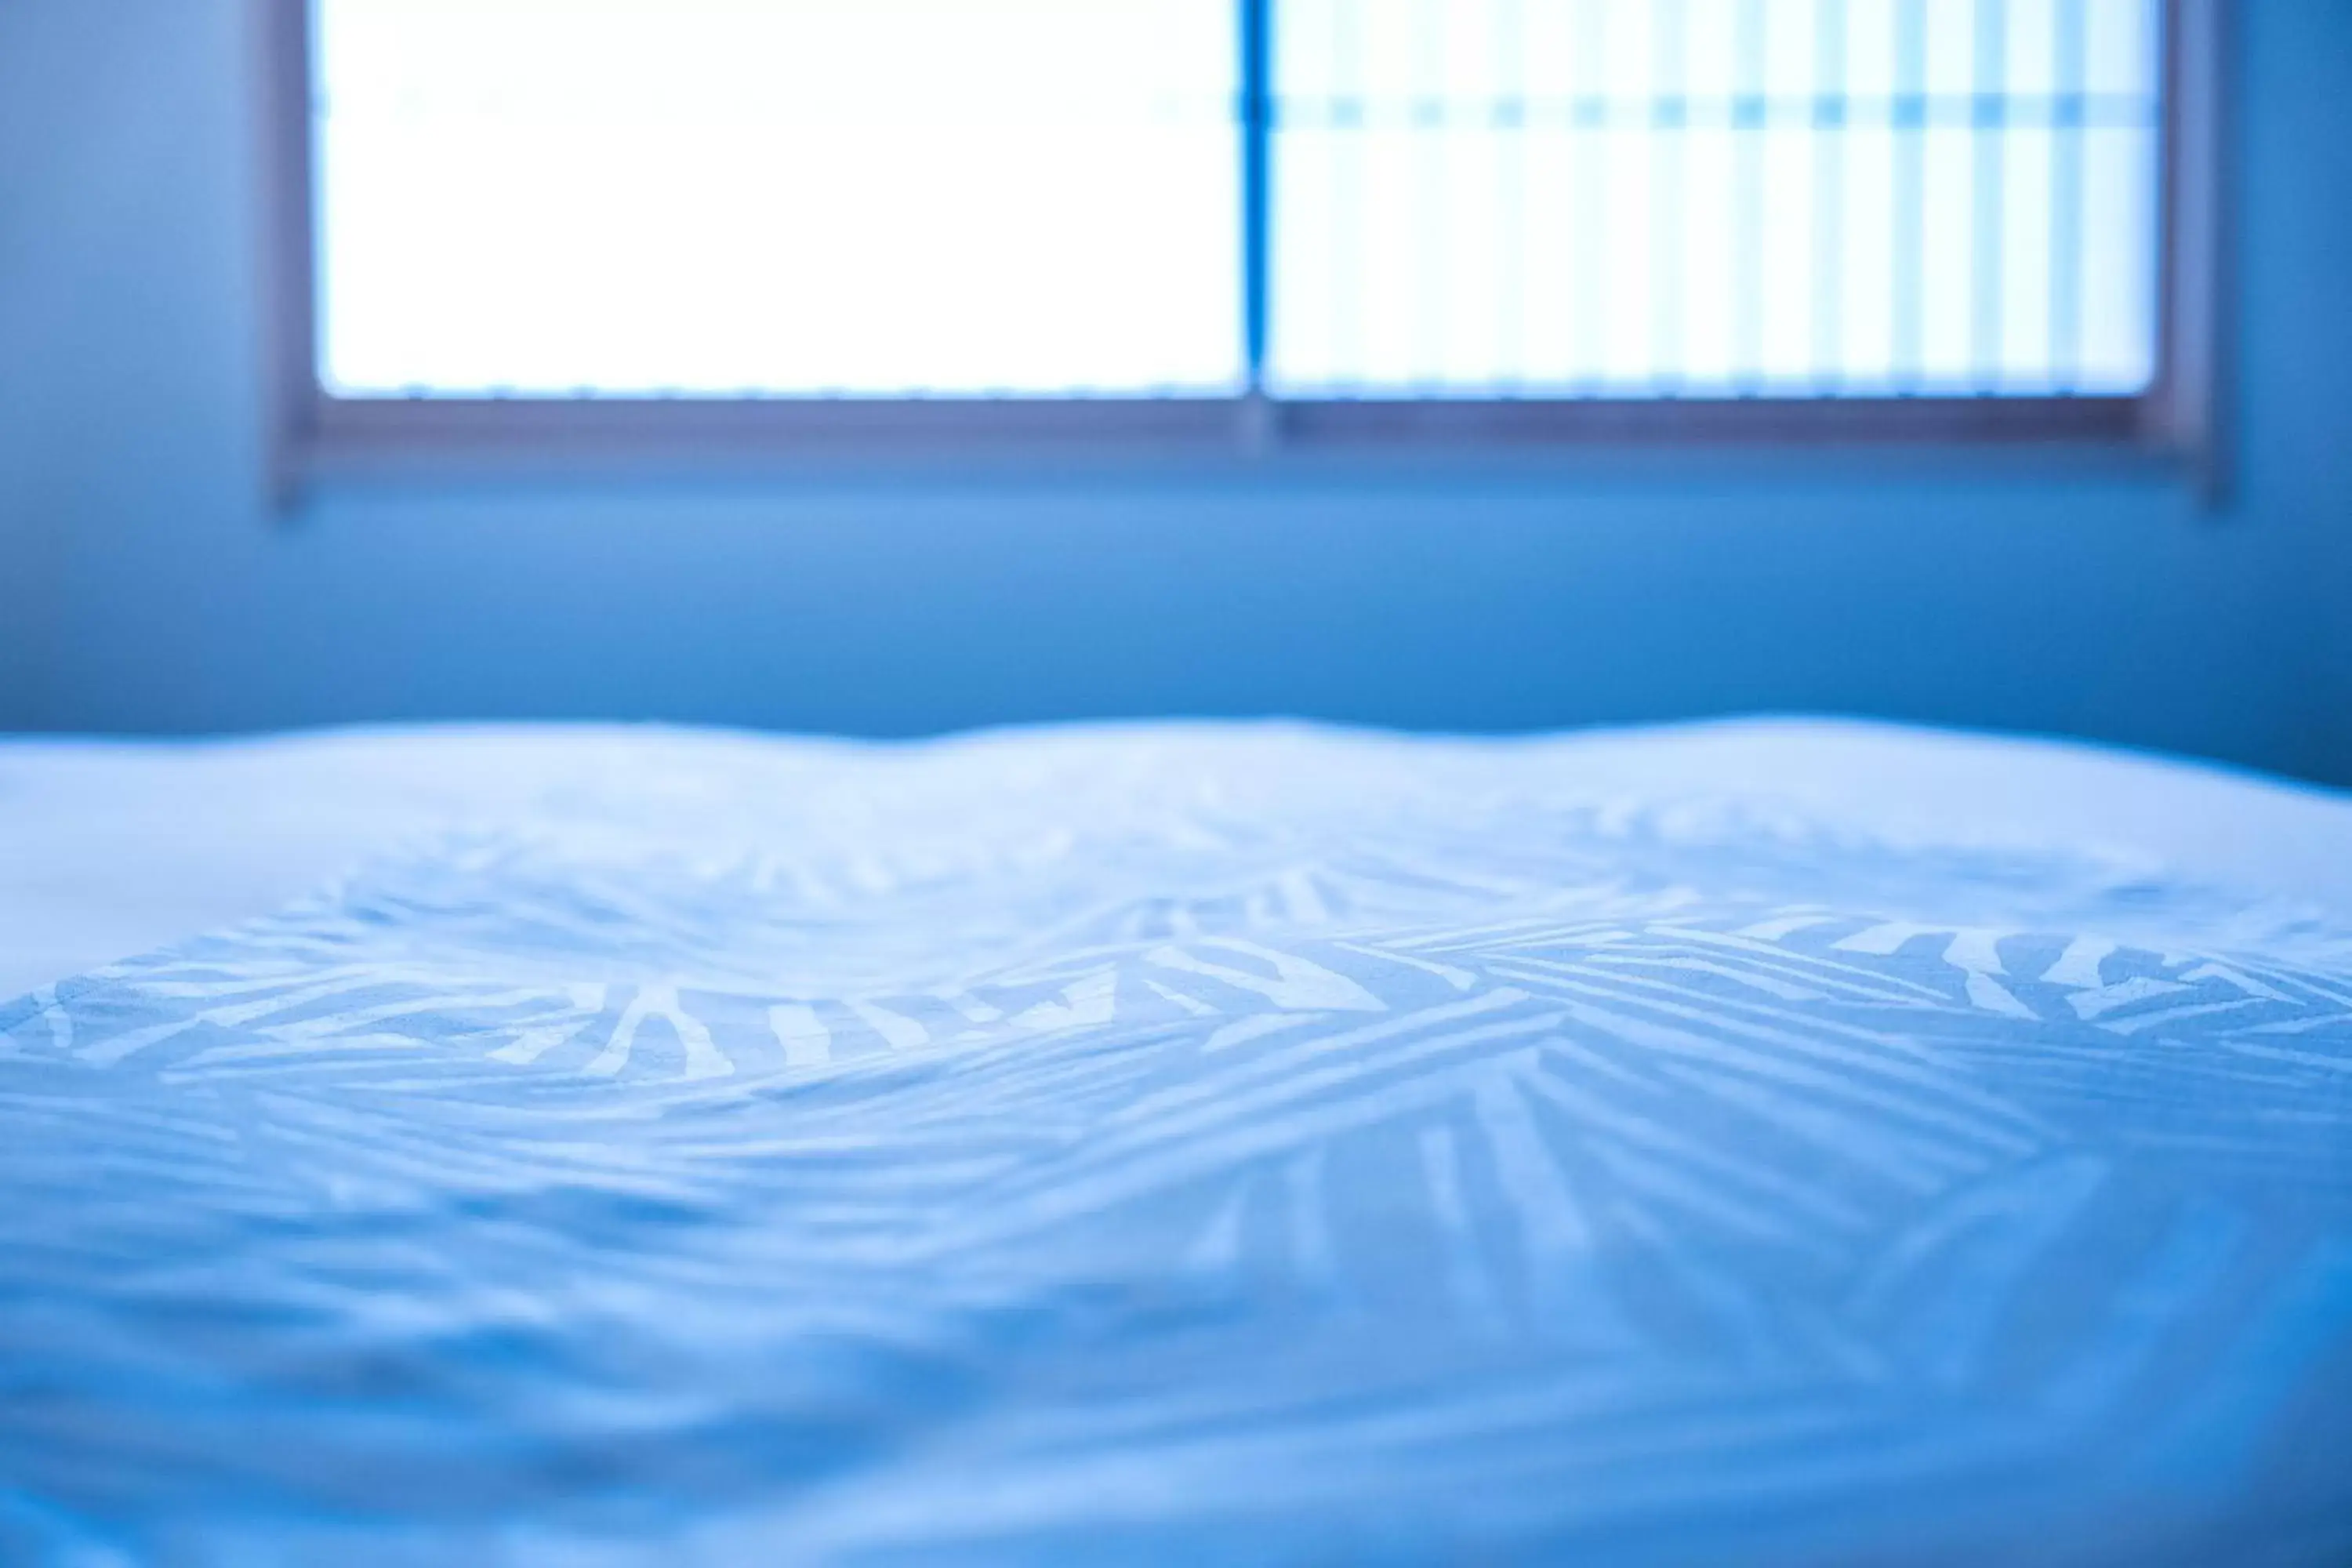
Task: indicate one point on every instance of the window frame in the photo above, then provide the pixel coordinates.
(315, 434)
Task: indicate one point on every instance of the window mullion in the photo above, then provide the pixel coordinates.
(1257, 167)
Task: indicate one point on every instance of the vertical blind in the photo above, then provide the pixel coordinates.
(1349, 198)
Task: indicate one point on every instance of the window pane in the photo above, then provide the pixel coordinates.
(728, 196)
(1714, 197)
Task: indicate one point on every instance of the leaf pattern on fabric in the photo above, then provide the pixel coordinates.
(1124, 1147)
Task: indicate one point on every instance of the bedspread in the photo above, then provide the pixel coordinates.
(1187, 1144)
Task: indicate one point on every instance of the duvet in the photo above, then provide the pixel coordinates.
(1185, 1145)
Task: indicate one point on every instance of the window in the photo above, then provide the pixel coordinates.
(1645, 198)
(823, 196)
(605, 226)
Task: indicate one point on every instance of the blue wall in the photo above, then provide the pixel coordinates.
(147, 588)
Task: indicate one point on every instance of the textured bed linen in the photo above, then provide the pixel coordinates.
(1187, 1144)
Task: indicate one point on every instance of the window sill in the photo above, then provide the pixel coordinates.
(540, 441)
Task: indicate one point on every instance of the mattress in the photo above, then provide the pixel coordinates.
(1771, 1143)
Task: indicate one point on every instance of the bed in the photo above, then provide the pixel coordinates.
(1768, 1143)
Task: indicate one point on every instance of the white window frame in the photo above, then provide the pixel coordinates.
(316, 434)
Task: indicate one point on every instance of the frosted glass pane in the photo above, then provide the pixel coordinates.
(718, 197)
(1691, 197)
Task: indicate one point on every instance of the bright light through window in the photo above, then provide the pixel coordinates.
(1641, 198)
(797, 196)
(1482, 198)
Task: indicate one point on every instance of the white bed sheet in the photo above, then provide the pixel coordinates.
(113, 847)
(1766, 1143)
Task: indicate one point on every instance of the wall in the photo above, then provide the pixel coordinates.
(147, 588)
